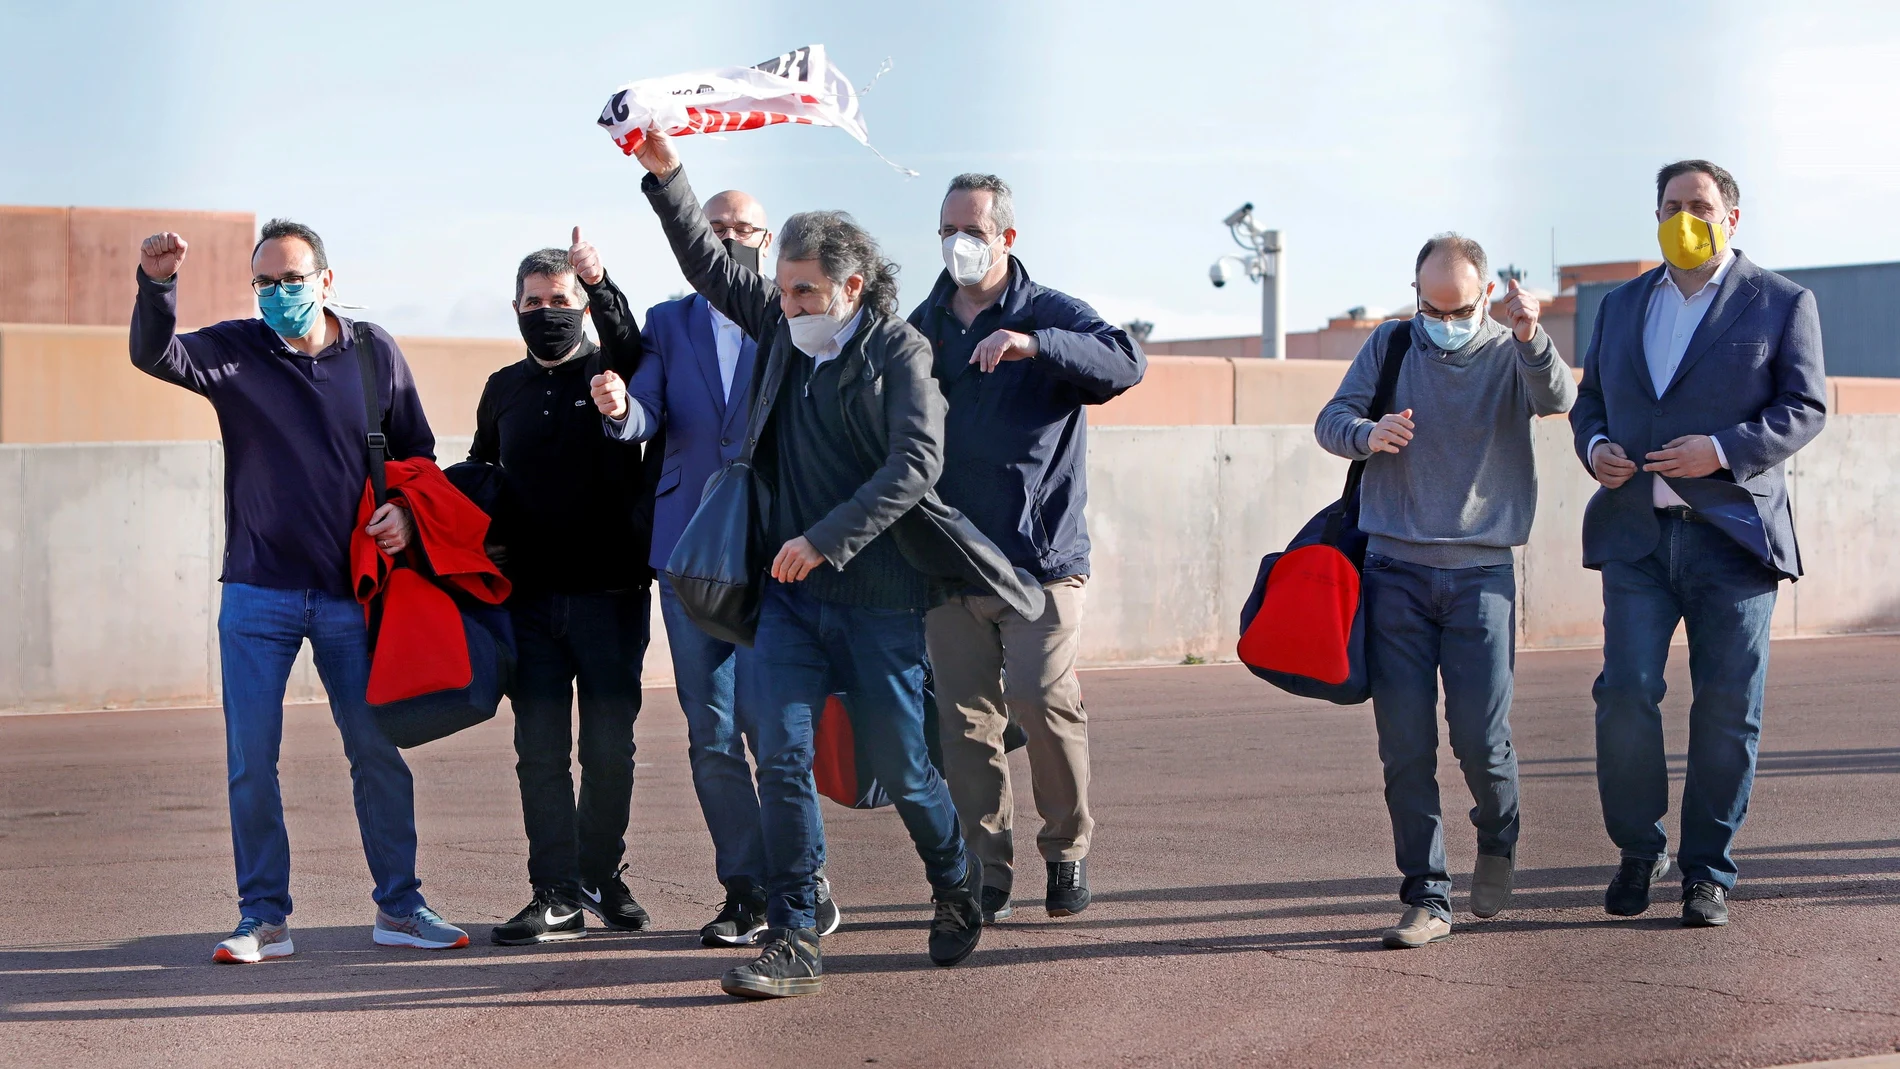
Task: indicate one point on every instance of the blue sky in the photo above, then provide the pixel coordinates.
(434, 144)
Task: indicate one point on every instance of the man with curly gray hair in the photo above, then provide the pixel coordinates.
(847, 429)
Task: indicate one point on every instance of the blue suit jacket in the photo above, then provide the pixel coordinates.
(677, 384)
(1752, 377)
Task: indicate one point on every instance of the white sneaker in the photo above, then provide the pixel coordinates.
(253, 942)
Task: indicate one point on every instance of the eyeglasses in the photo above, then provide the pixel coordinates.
(735, 231)
(265, 287)
(1429, 312)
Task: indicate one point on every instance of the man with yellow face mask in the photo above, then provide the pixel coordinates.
(1702, 378)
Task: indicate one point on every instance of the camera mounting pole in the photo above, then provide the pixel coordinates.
(1265, 264)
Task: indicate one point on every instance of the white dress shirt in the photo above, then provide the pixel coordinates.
(727, 338)
(1668, 325)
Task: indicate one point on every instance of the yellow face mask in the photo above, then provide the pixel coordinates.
(1688, 242)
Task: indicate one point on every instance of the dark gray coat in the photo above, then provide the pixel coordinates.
(1752, 377)
(894, 409)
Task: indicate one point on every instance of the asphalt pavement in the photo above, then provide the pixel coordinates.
(1242, 868)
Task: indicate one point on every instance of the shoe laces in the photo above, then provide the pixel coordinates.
(952, 916)
(1068, 875)
(427, 916)
(779, 949)
(249, 926)
(1705, 892)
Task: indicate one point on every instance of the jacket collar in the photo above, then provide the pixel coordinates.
(1732, 298)
(1013, 303)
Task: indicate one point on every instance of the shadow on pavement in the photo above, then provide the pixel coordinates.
(1777, 763)
(337, 970)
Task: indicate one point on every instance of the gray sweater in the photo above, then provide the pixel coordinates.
(1462, 493)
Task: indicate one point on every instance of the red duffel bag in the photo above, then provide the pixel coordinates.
(1303, 626)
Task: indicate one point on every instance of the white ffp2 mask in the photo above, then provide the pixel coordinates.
(811, 333)
(967, 258)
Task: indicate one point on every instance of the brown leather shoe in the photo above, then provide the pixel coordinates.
(1418, 927)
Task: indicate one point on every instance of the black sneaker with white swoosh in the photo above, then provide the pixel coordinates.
(550, 918)
(610, 900)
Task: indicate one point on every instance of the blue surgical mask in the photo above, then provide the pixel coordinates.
(291, 311)
(1452, 335)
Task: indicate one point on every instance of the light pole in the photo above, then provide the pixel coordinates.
(1265, 264)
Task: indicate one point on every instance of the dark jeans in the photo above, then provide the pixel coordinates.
(1461, 624)
(705, 675)
(1725, 596)
(260, 631)
(806, 650)
(597, 640)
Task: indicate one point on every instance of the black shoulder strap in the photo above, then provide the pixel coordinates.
(1397, 344)
(374, 441)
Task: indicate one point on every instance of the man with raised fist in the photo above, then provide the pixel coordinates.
(290, 402)
(1450, 487)
(576, 527)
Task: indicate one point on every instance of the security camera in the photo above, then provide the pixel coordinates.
(1237, 216)
(1222, 272)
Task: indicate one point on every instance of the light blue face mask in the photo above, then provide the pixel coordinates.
(1452, 335)
(291, 311)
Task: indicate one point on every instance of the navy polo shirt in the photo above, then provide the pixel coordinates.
(293, 426)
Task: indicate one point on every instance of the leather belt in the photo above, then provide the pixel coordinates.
(1683, 513)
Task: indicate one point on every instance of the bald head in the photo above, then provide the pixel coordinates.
(738, 215)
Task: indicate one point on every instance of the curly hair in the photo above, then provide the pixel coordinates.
(842, 248)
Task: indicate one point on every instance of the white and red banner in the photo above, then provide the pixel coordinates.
(800, 87)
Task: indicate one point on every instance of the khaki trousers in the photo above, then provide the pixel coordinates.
(991, 666)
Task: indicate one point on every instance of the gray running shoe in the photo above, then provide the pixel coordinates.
(424, 929)
(253, 942)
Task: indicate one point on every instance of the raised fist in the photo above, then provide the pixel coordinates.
(161, 254)
(610, 394)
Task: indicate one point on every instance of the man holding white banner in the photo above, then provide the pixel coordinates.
(847, 425)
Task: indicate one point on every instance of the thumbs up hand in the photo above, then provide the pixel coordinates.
(585, 260)
(1522, 309)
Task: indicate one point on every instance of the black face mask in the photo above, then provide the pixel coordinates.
(551, 333)
(747, 256)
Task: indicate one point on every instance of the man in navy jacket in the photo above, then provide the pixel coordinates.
(690, 396)
(1017, 362)
(1702, 378)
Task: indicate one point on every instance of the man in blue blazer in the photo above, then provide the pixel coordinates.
(692, 389)
(1702, 378)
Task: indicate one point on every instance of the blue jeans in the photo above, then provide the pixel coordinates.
(595, 641)
(1726, 597)
(704, 674)
(260, 631)
(806, 650)
(1461, 624)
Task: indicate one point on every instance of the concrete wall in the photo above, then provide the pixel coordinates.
(108, 552)
(77, 384)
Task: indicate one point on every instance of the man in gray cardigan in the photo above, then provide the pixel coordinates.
(1450, 487)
